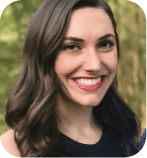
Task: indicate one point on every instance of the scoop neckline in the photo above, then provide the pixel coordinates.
(83, 144)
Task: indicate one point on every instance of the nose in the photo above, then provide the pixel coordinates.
(92, 61)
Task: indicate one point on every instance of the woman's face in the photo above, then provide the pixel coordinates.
(87, 62)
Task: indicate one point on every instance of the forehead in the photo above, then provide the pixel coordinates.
(89, 21)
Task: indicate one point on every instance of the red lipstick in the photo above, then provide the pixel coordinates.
(90, 88)
(87, 77)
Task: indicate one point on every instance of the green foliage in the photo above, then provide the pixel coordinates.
(13, 26)
(131, 27)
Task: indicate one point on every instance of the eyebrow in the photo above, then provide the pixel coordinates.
(82, 40)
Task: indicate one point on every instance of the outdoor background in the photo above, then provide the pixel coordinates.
(131, 25)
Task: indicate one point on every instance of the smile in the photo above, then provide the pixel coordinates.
(89, 84)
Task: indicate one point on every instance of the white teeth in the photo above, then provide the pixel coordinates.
(88, 82)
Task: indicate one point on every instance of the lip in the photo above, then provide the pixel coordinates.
(87, 77)
(90, 88)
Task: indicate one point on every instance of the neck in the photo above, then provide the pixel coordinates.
(74, 117)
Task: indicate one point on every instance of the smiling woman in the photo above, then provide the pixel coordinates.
(66, 103)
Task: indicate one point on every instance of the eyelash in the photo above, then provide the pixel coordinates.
(105, 45)
(70, 47)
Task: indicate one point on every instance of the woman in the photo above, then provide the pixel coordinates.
(66, 102)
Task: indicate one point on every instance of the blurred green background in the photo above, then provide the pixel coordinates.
(131, 25)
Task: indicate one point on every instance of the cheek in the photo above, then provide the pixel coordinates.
(111, 61)
(63, 65)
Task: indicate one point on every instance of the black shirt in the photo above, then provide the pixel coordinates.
(107, 146)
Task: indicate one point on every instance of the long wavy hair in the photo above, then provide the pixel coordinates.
(30, 110)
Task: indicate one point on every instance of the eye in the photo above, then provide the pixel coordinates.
(71, 47)
(105, 44)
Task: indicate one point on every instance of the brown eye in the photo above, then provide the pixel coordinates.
(72, 47)
(106, 44)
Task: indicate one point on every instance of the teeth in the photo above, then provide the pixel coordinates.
(88, 82)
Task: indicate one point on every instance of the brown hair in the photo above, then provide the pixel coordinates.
(30, 110)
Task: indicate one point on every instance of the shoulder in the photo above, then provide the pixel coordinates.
(8, 142)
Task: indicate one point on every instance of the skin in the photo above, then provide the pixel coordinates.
(83, 54)
(88, 58)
